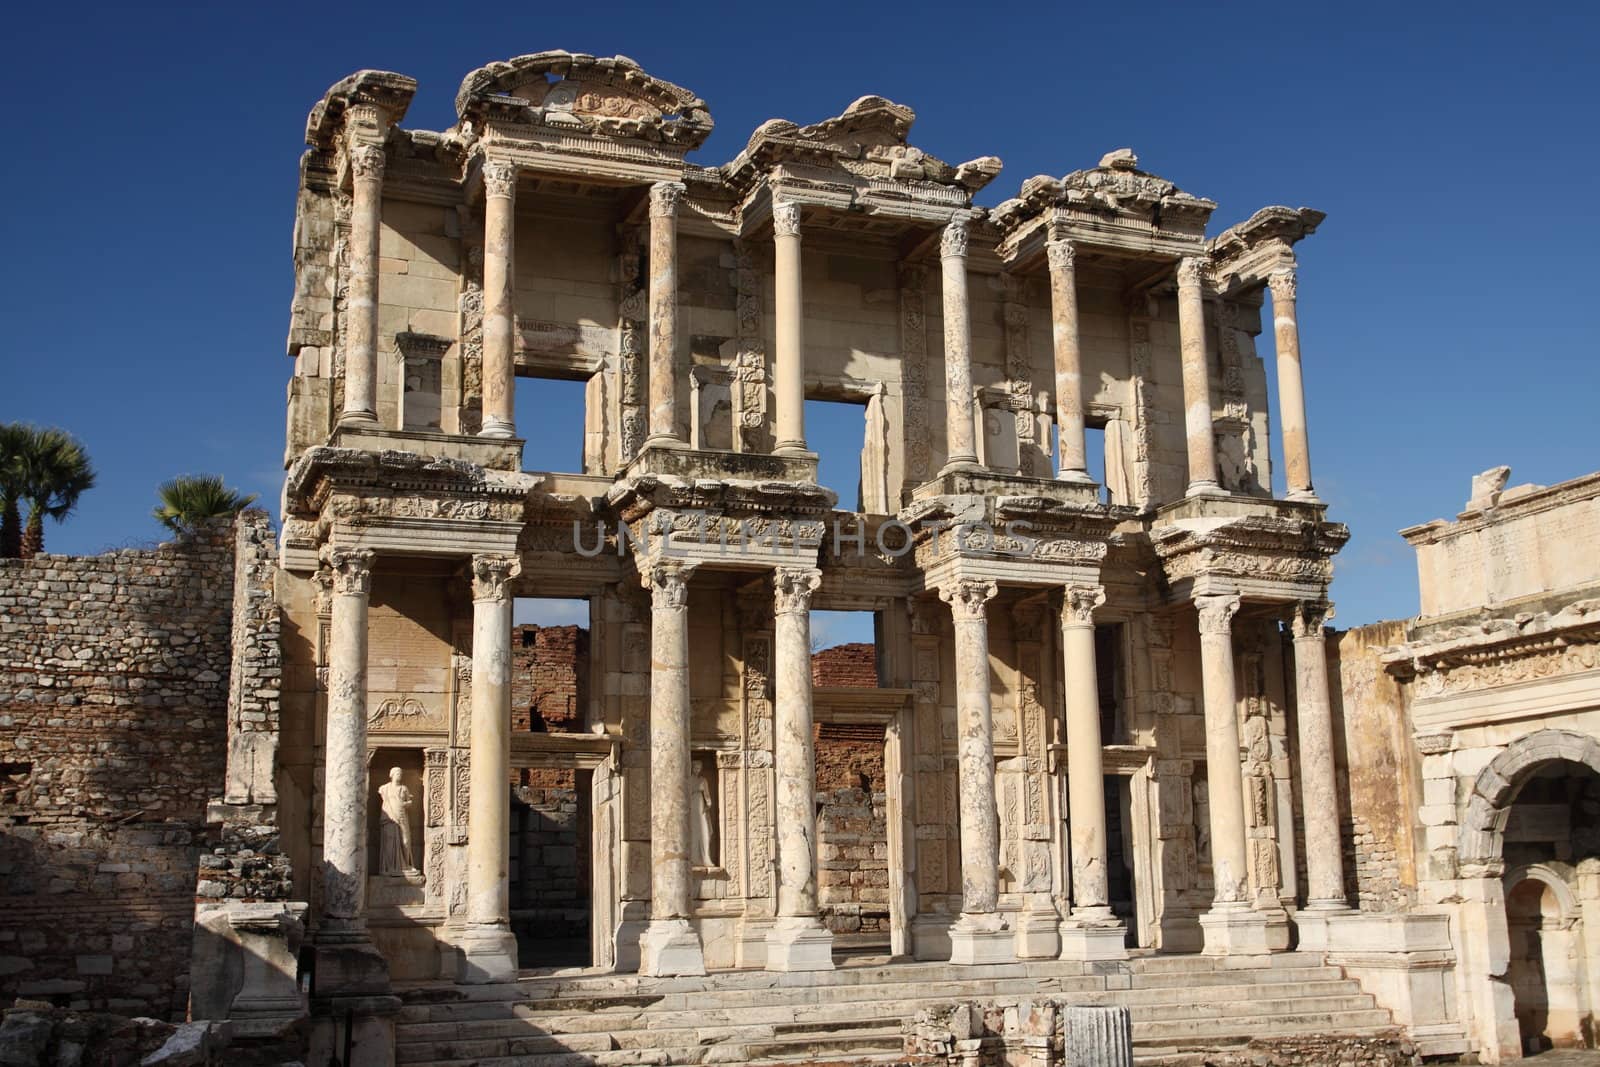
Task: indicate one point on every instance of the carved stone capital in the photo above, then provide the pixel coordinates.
(968, 597)
(1061, 254)
(953, 242)
(1282, 283)
(786, 219)
(1191, 269)
(499, 178)
(664, 197)
(1216, 612)
(792, 588)
(350, 569)
(491, 576)
(1309, 618)
(1078, 603)
(366, 161)
(669, 585)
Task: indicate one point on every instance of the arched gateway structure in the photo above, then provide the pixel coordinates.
(1084, 684)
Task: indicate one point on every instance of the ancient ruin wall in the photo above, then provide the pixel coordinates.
(114, 674)
(550, 666)
(852, 826)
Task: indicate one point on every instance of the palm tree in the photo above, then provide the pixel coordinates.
(190, 499)
(48, 469)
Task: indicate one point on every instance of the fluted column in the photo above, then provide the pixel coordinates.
(1091, 930)
(499, 303)
(1196, 379)
(1074, 462)
(798, 940)
(344, 790)
(361, 305)
(1319, 789)
(1231, 926)
(1291, 390)
(961, 448)
(664, 197)
(669, 945)
(790, 358)
(979, 935)
(489, 948)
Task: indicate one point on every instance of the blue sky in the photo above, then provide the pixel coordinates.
(1448, 306)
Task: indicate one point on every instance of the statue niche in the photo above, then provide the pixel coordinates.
(396, 845)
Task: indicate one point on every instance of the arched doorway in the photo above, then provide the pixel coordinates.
(1545, 967)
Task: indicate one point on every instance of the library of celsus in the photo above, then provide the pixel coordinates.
(1100, 746)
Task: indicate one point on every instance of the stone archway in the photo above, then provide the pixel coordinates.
(1486, 935)
(1544, 969)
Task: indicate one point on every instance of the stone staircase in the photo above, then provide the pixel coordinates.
(1181, 1005)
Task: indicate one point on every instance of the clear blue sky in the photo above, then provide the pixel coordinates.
(1450, 305)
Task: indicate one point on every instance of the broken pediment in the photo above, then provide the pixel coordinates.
(360, 97)
(607, 97)
(1116, 186)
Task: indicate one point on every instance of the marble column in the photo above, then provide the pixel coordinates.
(1319, 789)
(789, 336)
(1074, 463)
(1196, 379)
(1091, 931)
(664, 197)
(980, 934)
(361, 305)
(347, 962)
(961, 447)
(798, 940)
(1291, 390)
(499, 300)
(488, 947)
(669, 944)
(1231, 927)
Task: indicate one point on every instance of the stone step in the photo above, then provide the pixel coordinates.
(1241, 1028)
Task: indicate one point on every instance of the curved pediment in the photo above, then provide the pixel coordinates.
(611, 97)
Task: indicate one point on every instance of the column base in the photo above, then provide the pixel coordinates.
(1079, 477)
(1304, 496)
(493, 427)
(1205, 489)
(981, 938)
(959, 465)
(1094, 939)
(1312, 924)
(799, 943)
(669, 948)
(488, 955)
(348, 964)
(1235, 930)
(358, 420)
(1037, 937)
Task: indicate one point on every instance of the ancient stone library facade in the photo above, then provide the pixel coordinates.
(1101, 746)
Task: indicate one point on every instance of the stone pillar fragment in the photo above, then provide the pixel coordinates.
(499, 300)
(347, 962)
(1096, 1036)
(489, 949)
(361, 321)
(790, 358)
(798, 941)
(1231, 927)
(664, 197)
(1196, 379)
(961, 450)
(1073, 465)
(1291, 390)
(669, 945)
(1091, 931)
(979, 935)
(1318, 782)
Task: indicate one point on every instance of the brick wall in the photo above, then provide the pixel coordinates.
(853, 665)
(852, 827)
(114, 679)
(550, 670)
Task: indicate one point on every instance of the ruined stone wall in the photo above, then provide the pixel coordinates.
(549, 675)
(852, 825)
(113, 699)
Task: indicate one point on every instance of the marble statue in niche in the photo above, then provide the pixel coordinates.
(396, 855)
(702, 816)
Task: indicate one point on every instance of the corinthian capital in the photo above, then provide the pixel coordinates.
(1309, 618)
(1061, 254)
(792, 588)
(664, 197)
(968, 597)
(954, 240)
(1190, 271)
(1078, 603)
(350, 570)
(1216, 612)
(499, 178)
(786, 218)
(1282, 283)
(669, 585)
(491, 576)
(366, 161)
